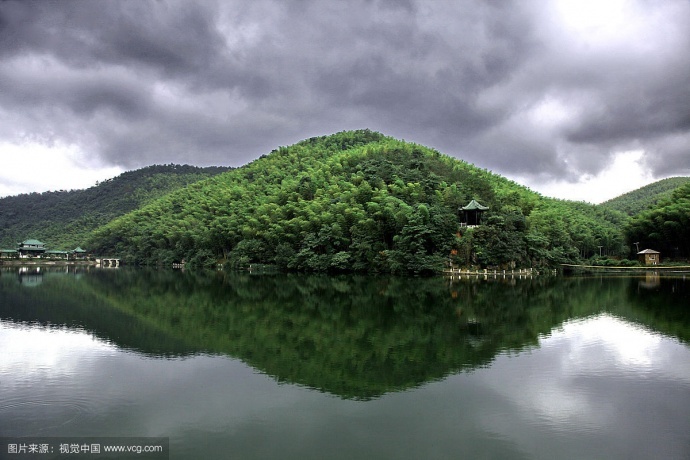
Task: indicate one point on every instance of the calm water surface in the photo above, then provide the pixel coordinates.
(240, 366)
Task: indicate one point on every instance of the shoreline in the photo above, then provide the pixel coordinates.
(572, 268)
(22, 263)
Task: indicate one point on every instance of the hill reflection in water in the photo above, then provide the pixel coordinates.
(354, 337)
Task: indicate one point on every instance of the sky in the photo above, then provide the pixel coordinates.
(576, 99)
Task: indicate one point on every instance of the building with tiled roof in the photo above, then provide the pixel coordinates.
(31, 248)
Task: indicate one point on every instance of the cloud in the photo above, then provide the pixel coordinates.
(546, 92)
(625, 172)
(43, 168)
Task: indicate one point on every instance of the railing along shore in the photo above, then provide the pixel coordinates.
(494, 273)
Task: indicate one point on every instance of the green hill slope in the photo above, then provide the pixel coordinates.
(632, 203)
(665, 227)
(64, 219)
(359, 201)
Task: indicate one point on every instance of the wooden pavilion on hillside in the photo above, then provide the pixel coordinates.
(471, 215)
(649, 257)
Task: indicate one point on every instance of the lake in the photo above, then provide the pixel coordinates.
(241, 366)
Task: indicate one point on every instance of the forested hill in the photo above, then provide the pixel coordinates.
(632, 203)
(358, 200)
(63, 219)
(664, 227)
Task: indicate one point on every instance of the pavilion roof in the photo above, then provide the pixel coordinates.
(474, 206)
(33, 242)
(649, 251)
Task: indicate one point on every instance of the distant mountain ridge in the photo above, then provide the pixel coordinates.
(63, 219)
(636, 201)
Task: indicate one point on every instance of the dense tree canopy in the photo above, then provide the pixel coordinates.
(664, 227)
(359, 201)
(63, 219)
(632, 203)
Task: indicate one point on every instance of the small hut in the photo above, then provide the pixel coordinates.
(649, 257)
(471, 214)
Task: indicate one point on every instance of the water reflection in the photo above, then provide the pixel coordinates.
(30, 276)
(355, 337)
(593, 383)
(404, 368)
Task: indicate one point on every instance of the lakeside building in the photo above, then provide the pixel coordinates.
(9, 254)
(31, 248)
(34, 249)
(649, 257)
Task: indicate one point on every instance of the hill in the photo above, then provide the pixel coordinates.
(361, 201)
(63, 219)
(632, 203)
(664, 227)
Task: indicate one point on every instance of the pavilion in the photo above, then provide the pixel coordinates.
(471, 215)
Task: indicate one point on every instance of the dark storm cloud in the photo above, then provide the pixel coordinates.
(642, 106)
(172, 39)
(500, 84)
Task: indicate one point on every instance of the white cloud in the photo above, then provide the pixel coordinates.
(599, 22)
(625, 173)
(35, 167)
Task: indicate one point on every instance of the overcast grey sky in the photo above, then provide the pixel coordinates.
(582, 99)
